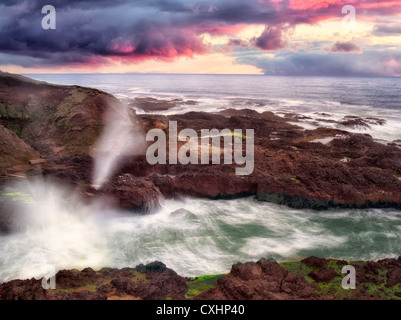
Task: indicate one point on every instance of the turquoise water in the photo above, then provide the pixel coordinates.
(192, 236)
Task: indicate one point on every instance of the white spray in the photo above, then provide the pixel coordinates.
(121, 137)
(51, 226)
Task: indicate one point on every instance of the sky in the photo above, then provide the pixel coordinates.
(272, 37)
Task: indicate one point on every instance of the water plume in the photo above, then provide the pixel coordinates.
(121, 137)
(49, 225)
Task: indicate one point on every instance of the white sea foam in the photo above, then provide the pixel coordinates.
(192, 236)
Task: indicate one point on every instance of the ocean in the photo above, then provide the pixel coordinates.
(318, 98)
(199, 236)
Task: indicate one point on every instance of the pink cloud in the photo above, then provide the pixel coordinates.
(273, 37)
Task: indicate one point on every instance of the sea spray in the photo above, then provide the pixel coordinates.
(121, 136)
(51, 226)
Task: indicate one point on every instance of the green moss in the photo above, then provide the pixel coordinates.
(201, 284)
(298, 268)
(139, 276)
(336, 265)
(334, 288)
(17, 196)
(380, 290)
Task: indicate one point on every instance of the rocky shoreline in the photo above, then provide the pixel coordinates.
(309, 279)
(49, 130)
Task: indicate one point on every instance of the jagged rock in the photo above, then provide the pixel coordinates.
(22, 290)
(263, 281)
(155, 266)
(134, 192)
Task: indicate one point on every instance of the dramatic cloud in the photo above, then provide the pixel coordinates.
(92, 33)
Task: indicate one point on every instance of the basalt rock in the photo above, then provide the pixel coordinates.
(56, 118)
(349, 171)
(323, 276)
(260, 281)
(291, 166)
(22, 290)
(312, 279)
(134, 193)
(108, 283)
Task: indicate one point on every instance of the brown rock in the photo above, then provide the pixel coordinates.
(13, 150)
(323, 276)
(393, 277)
(267, 281)
(314, 262)
(134, 192)
(22, 290)
(74, 278)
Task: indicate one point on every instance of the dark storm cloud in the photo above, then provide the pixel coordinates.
(89, 31)
(95, 31)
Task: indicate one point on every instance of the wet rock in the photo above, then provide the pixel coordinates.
(263, 260)
(354, 122)
(155, 266)
(134, 193)
(151, 104)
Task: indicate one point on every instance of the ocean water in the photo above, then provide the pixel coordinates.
(200, 236)
(315, 97)
(192, 236)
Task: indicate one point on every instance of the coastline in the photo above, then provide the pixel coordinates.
(349, 171)
(308, 279)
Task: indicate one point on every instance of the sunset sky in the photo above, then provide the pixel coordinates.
(273, 37)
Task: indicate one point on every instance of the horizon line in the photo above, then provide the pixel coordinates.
(210, 74)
